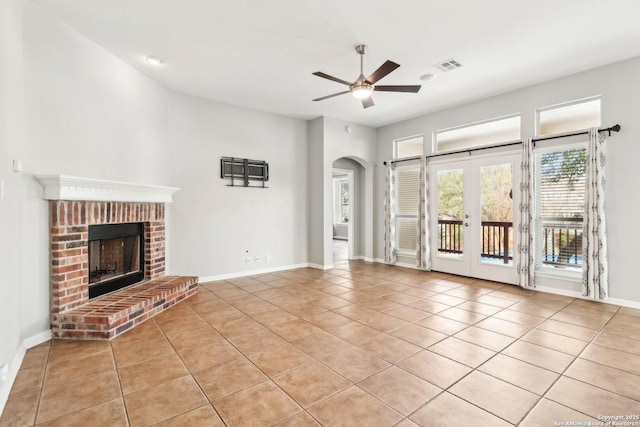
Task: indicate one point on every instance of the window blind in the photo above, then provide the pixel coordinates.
(408, 196)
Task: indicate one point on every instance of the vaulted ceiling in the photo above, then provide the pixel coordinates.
(261, 54)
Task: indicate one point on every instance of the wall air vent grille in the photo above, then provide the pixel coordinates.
(448, 65)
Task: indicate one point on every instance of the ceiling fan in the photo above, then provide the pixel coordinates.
(363, 88)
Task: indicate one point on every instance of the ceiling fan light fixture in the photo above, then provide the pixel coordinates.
(362, 91)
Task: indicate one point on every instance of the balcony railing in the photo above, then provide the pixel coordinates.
(561, 240)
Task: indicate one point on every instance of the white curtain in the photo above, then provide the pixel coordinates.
(423, 256)
(390, 215)
(595, 282)
(525, 250)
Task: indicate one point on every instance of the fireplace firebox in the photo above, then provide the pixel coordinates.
(116, 257)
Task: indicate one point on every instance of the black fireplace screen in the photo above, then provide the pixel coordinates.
(116, 257)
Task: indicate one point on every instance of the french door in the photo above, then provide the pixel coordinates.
(474, 217)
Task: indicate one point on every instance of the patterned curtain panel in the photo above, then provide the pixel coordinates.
(595, 269)
(390, 215)
(423, 256)
(526, 248)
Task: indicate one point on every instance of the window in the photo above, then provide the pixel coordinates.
(477, 135)
(408, 197)
(408, 147)
(340, 200)
(568, 117)
(561, 196)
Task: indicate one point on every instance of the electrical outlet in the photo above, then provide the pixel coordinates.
(5, 371)
(256, 259)
(248, 260)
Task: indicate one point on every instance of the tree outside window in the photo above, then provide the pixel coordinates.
(344, 201)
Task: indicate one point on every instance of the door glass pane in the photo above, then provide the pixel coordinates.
(496, 206)
(450, 212)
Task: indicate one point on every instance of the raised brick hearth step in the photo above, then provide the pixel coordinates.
(109, 316)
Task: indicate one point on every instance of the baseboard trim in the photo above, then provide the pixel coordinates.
(576, 294)
(204, 279)
(14, 367)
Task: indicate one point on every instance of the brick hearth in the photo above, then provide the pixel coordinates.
(72, 314)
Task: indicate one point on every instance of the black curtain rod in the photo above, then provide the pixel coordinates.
(614, 128)
(469, 150)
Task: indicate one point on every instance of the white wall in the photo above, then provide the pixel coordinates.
(67, 107)
(213, 224)
(619, 86)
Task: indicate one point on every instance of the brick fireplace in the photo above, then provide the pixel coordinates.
(75, 205)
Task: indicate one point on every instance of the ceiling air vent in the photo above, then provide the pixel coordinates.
(448, 65)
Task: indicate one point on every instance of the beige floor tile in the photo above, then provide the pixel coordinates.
(20, 410)
(540, 356)
(478, 307)
(273, 317)
(66, 350)
(590, 400)
(406, 423)
(399, 389)
(429, 306)
(548, 413)
(208, 306)
(420, 293)
(496, 396)
(155, 404)
(629, 329)
(135, 352)
(256, 307)
(311, 383)
(295, 329)
(182, 324)
(462, 351)
(553, 341)
(355, 332)
(389, 348)
(36, 357)
(301, 419)
(221, 380)
(222, 315)
(195, 337)
(605, 377)
(593, 311)
(322, 344)
(146, 331)
(434, 368)
(254, 342)
(28, 380)
(485, 338)
(529, 307)
(446, 299)
(460, 315)
(204, 416)
(576, 319)
(617, 342)
(82, 364)
(495, 301)
(519, 317)
(62, 399)
(239, 326)
(384, 322)
(409, 314)
(280, 359)
(442, 324)
(107, 414)
(353, 407)
(418, 335)
(151, 372)
(204, 356)
(522, 374)
(504, 327)
(355, 364)
(448, 410)
(262, 404)
(613, 358)
(327, 320)
(568, 330)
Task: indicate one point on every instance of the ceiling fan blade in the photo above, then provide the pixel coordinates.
(393, 88)
(382, 71)
(331, 96)
(367, 102)
(327, 76)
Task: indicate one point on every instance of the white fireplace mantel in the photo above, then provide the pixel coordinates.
(64, 187)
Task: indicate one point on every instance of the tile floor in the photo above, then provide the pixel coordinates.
(359, 345)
